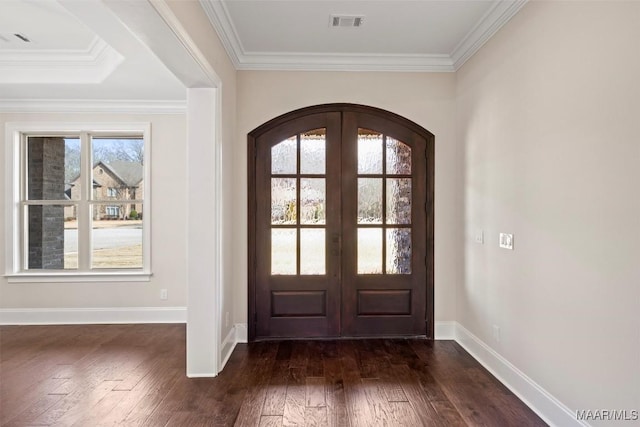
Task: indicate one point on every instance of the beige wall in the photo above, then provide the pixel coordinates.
(549, 116)
(168, 239)
(427, 99)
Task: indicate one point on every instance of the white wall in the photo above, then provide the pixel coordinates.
(193, 18)
(168, 237)
(549, 115)
(427, 99)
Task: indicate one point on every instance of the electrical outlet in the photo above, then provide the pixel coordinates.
(479, 236)
(506, 241)
(164, 294)
(496, 333)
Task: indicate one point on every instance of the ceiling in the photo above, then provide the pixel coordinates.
(76, 50)
(91, 50)
(396, 35)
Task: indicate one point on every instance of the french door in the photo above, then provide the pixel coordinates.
(340, 225)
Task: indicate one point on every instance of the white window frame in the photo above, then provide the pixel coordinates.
(112, 192)
(15, 229)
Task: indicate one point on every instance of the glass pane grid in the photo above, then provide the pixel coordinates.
(298, 205)
(384, 205)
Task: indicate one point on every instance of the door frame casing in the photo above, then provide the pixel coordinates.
(252, 197)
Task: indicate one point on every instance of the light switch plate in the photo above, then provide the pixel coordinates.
(506, 241)
(479, 236)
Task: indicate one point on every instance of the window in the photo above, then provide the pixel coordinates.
(79, 202)
(113, 211)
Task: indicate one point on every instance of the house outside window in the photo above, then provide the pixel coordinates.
(112, 211)
(79, 202)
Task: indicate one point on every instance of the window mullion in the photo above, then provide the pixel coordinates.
(84, 206)
(23, 197)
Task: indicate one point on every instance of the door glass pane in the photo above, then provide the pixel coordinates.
(312, 200)
(312, 251)
(283, 201)
(53, 168)
(369, 200)
(369, 250)
(283, 251)
(398, 157)
(284, 156)
(398, 200)
(313, 152)
(116, 244)
(369, 152)
(398, 251)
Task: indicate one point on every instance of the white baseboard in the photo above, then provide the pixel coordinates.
(550, 409)
(228, 344)
(445, 330)
(242, 334)
(205, 375)
(107, 315)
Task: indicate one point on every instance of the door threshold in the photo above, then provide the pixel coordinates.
(341, 338)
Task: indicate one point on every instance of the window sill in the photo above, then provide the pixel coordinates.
(71, 277)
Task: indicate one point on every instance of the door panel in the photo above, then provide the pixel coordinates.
(384, 228)
(297, 267)
(340, 238)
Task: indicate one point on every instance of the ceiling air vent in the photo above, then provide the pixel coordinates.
(346, 21)
(14, 37)
(22, 37)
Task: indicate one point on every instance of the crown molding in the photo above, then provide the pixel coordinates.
(218, 14)
(499, 14)
(345, 62)
(90, 65)
(92, 106)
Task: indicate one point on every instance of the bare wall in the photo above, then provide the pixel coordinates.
(548, 114)
(427, 99)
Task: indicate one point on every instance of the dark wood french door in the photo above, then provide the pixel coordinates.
(340, 225)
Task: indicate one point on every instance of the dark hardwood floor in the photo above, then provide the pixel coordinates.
(129, 375)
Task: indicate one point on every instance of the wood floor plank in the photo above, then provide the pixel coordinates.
(410, 383)
(146, 397)
(20, 403)
(447, 413)
(75, 405)
(403, 414)
(134, 375)
(315, 392)
(276, 390)
(315, 416)
(33, 411)
(251, 408)
(334, 393)
(378, 408)
(270, 421)
(354, 389)
(294, 405)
